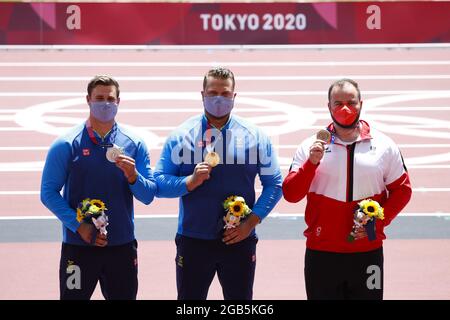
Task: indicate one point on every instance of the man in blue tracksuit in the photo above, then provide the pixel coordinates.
(98, 160)
(187, 170)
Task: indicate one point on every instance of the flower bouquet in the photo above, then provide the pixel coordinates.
(93, 211)
(364, 220)
(236, 209)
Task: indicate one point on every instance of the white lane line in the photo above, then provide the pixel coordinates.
(241, 78)
(31, 166)
(284, 147)
(424, 145)
(409, 109)
(302, 128)
(271, 215)
(157, 110)
(402, 214)
(238, 110)
(257, 190)
(423, 189)
(14, 129)
(18, 193)
(150, 128)
(24, 148)
(225, 63)
(37, 166)
(418, 166)
(138, 110)
(403, 146)
(273, 119)
(318, 108)
(153, 216)
(10, 110)
(241, 93)
(157, 128)
(424, 126)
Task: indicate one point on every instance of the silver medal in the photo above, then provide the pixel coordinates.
(113, 152)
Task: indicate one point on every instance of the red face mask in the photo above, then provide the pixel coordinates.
(345, 116)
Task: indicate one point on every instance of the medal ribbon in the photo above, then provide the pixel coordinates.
(94, 139)
(333, 136)
(209, 145)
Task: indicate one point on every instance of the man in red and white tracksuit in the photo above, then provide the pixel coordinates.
(357, 163)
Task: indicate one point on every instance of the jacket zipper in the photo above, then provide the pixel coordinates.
(350, 163)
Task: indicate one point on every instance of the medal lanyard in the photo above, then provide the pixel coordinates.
(333, 137)
(332, 133)
(94, 139)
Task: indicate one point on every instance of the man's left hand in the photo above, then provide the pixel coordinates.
(128, 166)
(242, 231)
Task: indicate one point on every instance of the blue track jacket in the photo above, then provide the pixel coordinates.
(245, 152)
(79, 166)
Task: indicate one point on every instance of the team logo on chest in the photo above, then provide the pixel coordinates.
(318, 231)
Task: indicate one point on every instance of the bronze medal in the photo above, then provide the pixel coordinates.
(324, 135)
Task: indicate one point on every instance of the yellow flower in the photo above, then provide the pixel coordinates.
(230, 199)
(80, 215)
(236, 208)
(98, 203)
(381, 213)
(94, 209)
(227, 202)
(371, 208)
(85, 204)
(364, 203)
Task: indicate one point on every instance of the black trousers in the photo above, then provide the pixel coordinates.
(82, 267)
(344, 276)
(197, 262)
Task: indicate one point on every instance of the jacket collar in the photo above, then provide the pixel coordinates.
(364, 130)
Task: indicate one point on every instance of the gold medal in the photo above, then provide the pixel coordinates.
(324, 135)
(212, 158)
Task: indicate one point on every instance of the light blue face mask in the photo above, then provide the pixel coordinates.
(103, 111)
(218, 106)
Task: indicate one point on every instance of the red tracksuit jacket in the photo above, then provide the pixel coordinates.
(372, 167)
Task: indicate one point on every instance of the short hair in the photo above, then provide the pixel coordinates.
(219, 73)
(102, 80)
(340, 83)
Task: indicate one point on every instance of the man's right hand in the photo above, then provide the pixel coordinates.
(201, 173)
(86, 232)
(316, 152)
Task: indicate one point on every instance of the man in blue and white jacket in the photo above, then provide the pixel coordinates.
(83, 163)
(184, 170)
